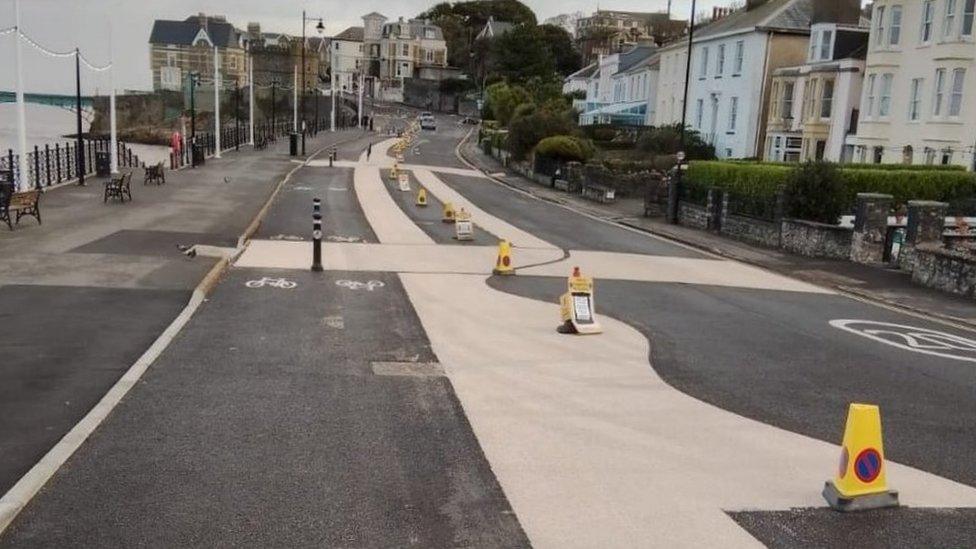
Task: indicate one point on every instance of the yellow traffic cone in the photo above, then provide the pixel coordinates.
(394, 172)
(422, 198)
(861, 481)
(448, 216)
(503, 265)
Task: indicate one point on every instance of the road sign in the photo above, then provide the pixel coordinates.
(404, 181)
(867, 466)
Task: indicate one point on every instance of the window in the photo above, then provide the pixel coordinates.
(740, 51)
(814, 40)
(733, 113)
(703, 69)
(879, 15)
(949, 21)
(929, 156)
(967, 17)
(429, 34)
(955, 101)
(939, 95)
(894, 33)
(430, 56)
(907, 155)
(720, 66)
(884, 99)
(827, 102)
(878, 154)
(405, 49)
(915, 100)
(928, 13)
(869, 97)
(825, 39)
(946, 157)
(786, 110)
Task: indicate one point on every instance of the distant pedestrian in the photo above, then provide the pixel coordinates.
(369, 151)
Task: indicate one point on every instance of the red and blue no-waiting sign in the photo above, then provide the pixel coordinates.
(867, 466)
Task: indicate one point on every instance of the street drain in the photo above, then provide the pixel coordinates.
(414, 369)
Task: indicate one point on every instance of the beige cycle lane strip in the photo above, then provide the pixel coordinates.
(591, 447)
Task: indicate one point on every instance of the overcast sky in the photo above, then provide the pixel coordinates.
(87, 24)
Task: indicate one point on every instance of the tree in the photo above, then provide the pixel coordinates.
(525, 132)
(520, 54)
(566, 57)
(504, 99)
(462, 21)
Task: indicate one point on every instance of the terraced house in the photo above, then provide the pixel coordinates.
(917, 103)
(815, 106)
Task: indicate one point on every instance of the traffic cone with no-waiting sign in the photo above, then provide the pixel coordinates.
(503, 265)
(861, 482)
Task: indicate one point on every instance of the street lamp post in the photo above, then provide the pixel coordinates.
(193, 118)
(81, 142)
(274, 120)
(237, 115)
(684, 104)
(320, 27)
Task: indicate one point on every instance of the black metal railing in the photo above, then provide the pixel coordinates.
(232, 137)
(56, 164)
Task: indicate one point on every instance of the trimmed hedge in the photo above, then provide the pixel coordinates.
(883, 167)
(764, 180)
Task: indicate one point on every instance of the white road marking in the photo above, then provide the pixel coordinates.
(280, 283)
(357, 285)
(912, 338)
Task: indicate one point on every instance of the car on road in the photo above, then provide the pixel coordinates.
(428, 123)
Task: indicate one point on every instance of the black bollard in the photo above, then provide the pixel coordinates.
(317, 242)
(316, 205)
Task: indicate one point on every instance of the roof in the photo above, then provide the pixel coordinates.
(182, 33)
(586, 72)
(374, 14)
(774, 14)
(633, 56)
(650, 62)
(494, 28)
(352, 34)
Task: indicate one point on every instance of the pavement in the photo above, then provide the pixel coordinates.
(407, 397)
(85, 294)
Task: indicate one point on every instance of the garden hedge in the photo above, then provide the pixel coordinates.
(759, 180)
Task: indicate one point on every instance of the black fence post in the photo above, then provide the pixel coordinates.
(37, 168)
(47, 163)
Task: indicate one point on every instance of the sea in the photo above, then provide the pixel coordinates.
(47, 125)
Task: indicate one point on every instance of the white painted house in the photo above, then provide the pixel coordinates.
(917, 103)
(732, 61)
(621, 89)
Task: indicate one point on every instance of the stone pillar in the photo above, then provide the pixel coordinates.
(926, 223)
(674, 196)
(870, 228)
(713, 209)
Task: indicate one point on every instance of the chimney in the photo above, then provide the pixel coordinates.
(753, 4)
(202, 18)
(836, 11)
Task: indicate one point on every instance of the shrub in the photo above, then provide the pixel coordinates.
(527, 131)
(950, 186)
(600, 133)
(815, 191)
(667, 140)
(564, 148)
(753, 180)
(503, 100)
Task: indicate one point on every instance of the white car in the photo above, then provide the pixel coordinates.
(428, 123)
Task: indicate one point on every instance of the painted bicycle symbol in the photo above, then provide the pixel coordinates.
(357, 285)
(280, 283)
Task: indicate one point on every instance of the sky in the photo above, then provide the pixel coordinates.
(118, 30)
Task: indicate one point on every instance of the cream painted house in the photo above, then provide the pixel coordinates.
(814, 106)
(917, 103)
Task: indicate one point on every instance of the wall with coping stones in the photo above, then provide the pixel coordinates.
(811, 239)
(949, 271)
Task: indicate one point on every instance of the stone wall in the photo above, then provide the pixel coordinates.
(811, 239)
(751, 230)
(949, 271)
(693, 215)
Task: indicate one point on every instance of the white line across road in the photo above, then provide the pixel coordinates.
(387, 163)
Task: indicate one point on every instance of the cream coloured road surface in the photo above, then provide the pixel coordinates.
(591, 447)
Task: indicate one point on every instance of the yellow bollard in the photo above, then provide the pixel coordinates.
(503, 265)
(422, 198)
(861, 481)
(448, 216)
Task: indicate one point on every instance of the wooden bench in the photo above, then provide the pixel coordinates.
(561, 185)
(21, 204)
(155, 174)
(119, 187)
(599, 193)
